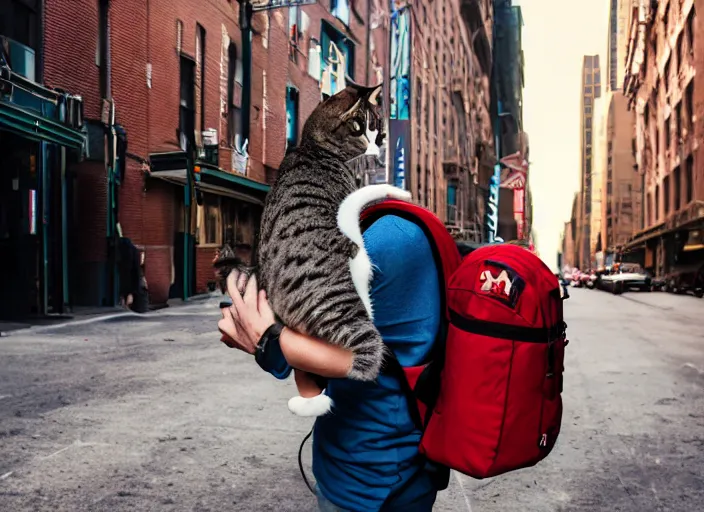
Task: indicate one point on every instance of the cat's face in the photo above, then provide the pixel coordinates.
(349, 123)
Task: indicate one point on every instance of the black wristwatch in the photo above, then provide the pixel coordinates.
(268, 348)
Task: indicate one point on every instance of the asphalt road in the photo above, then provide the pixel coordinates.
(153, 413)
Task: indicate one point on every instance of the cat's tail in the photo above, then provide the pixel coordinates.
(348, 222)
(351, 208)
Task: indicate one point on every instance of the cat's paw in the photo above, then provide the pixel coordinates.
(310, 407)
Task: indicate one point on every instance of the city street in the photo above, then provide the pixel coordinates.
(154, 413)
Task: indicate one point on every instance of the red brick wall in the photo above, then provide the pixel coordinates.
(698, 185)
(70, 42)
(146, 33)
(204, 268)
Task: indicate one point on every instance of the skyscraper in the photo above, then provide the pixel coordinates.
(591, 90)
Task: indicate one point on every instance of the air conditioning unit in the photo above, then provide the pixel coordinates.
(210, 146)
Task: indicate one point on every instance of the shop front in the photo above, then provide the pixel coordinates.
(39, 134)
(212, 207)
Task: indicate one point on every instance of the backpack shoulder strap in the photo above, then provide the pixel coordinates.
(445, 251)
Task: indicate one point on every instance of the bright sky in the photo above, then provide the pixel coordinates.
(556, 35)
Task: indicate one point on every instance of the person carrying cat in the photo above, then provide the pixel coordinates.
(365, 454)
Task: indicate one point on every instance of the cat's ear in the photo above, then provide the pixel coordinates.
(371, 94)
(375, 95)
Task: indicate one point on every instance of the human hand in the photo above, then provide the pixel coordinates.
(243, 324)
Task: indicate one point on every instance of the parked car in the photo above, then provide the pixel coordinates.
(588, 279)
(686, 280)
(627, 277)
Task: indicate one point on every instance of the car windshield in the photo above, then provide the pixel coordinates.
(632, 268)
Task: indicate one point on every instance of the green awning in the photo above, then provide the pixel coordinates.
(36, 127)
(208, 174)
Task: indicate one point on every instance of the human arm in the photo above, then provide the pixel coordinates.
(245, 322)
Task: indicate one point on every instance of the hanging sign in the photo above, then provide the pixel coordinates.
(264, 5)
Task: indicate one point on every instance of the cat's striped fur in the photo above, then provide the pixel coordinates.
(311, 259)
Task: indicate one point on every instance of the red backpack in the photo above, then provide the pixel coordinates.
(489, 399)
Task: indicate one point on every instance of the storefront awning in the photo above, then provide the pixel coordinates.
(33, 126)
(172, 167)
(216, 176)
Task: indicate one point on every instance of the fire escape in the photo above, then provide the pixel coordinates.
(464, 140)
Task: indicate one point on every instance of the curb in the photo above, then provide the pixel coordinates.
(194, 301)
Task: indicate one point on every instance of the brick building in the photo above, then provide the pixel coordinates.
(447, 117)
(569, 236)
(508, 220)
(590, 91)
(665, 55)
(621, 194)
(196, 125)
(40, 137)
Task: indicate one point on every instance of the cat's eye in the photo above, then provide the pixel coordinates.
(356, 126)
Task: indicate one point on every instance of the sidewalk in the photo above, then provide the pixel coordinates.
(85, 315)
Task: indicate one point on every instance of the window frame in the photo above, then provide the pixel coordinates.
(213, 201)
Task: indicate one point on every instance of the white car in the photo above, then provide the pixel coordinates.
(629, 278)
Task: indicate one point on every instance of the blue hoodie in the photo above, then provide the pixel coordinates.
(367, 448)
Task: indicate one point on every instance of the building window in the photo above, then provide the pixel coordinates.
(294, 24)
(291, 117)
(649, 209)
(668, 134)
(588, 90)
(689, 105)
(677, 178)
(210, 221)
(234, 98)
(588, 110)
(341, 10)
(186, 108)
(330, 35)
(588, 78)
(588, 135)
(587, 100)
(690, 30)
(678, 121)
(19, 22)
(451, 203)
(680, 54)
(666, 195)
(689, 179)
(657, 202)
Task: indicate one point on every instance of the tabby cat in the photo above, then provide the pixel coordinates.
(310, 256)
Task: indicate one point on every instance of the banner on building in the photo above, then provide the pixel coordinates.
(400, 66)
(399, 150)
(513, 176)
(265, 5)
(519, 199)
(492, 205)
